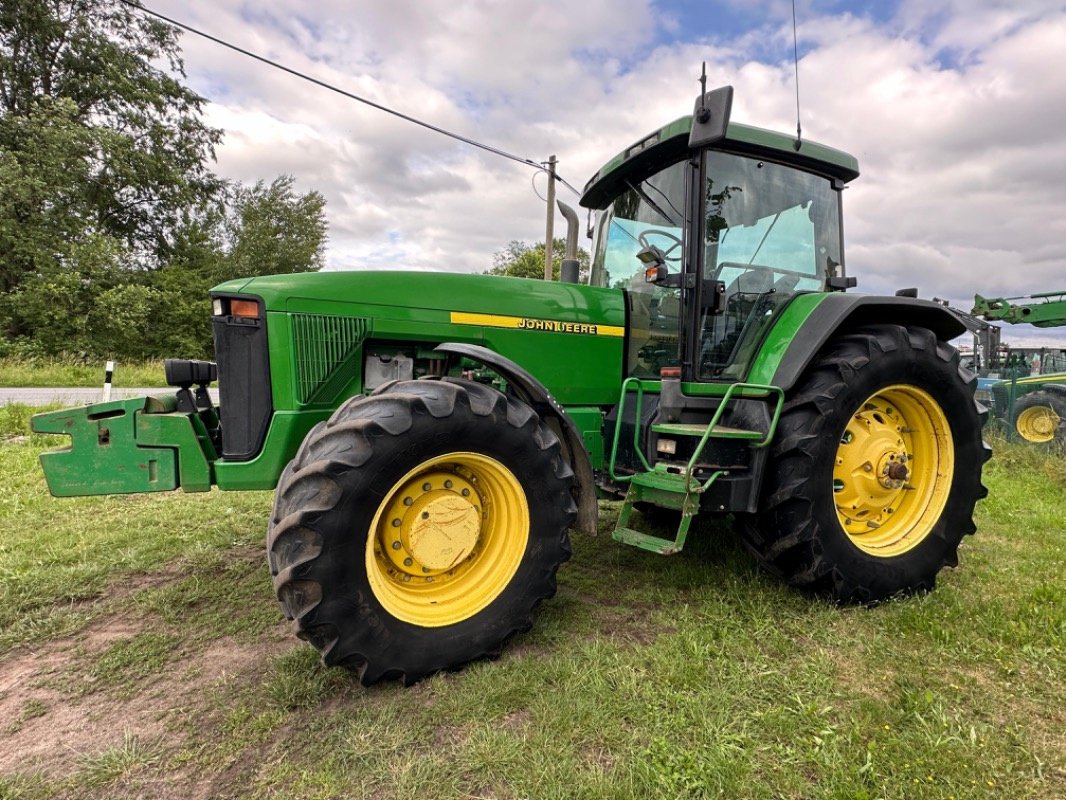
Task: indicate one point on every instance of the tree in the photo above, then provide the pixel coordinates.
(138, 142)
(94, 307)
(275, 231)
(44, 167)
(266, 229)
(102, 157)
(522, 260)
(112, 225)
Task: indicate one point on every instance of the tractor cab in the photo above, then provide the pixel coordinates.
(712, 239)
(713, 230)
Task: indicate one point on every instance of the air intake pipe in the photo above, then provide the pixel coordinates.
(569, 271)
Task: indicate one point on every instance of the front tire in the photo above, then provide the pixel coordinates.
(875, 468)
(419, 527)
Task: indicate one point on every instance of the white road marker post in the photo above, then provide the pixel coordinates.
(109, 371)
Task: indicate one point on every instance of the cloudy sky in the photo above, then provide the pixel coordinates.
(954, 108)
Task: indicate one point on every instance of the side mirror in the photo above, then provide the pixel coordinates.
(710, 118)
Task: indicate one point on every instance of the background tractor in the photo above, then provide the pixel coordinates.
(434, 437)
(1032, 396)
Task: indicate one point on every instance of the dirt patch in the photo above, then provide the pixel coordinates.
(516, 721)
(448, 737)
(48, 729)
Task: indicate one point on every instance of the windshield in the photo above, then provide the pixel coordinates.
(649, 212)
(768, 232)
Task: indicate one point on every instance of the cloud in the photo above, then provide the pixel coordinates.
(956, 111)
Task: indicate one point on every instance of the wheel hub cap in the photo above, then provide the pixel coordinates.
(893, 471)
(432, 524)
(444, 532)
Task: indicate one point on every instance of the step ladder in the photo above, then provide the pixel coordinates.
(674, 485)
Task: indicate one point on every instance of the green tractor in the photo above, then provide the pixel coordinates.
(433, 438)
(1032, 401)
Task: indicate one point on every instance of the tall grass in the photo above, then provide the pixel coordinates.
(47, 372)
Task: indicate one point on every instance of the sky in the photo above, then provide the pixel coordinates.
(955, 109)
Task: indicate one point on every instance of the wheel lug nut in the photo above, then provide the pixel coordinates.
(396, 523)
(408, 501)
(427, 486)
(465, 493)
(408, 562)
(447, 484)
(425, 515)
(396, 545)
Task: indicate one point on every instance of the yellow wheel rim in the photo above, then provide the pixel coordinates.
(1037, 424)
(893, 471)
(447, 539)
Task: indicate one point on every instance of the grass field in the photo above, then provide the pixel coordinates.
(142, 655)
(46, 372)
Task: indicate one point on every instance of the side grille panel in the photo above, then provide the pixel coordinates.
(322, 344)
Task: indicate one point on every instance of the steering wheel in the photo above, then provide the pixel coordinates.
(676, 242)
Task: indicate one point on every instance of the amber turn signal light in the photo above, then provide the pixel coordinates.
(243, 308)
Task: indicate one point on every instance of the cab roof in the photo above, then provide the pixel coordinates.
(670, 142)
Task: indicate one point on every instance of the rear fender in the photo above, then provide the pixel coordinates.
(840, 313)
(126, 446)
(1057, 388)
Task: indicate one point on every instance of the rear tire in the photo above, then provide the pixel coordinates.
(875, 468)
(1040, 418)
(419, 527)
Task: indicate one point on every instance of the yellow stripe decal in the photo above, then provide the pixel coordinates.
(1040, 379)
(531, 324)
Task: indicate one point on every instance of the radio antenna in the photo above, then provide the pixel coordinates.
(704, 113)
(796, 64)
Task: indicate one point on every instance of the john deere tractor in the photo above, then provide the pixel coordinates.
(434, 437)
(1033, 399)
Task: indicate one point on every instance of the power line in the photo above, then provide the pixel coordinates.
(351, 96)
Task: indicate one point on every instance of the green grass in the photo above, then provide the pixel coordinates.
(690, 676)
(46, 372)
(103, 769)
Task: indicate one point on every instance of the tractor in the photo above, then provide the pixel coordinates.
(434, 437)
(1032, 402)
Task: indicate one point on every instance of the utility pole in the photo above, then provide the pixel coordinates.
(549, 234)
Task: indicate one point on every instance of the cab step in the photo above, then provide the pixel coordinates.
(664, 489)
(675, 485)
(653, 544)
(699, 429)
